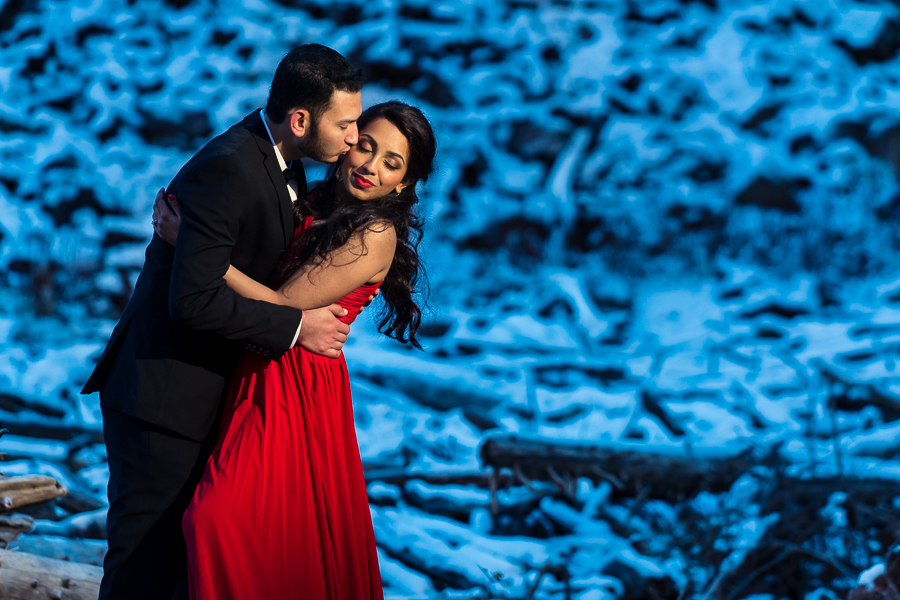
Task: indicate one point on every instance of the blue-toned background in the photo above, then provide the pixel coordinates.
(666, 226)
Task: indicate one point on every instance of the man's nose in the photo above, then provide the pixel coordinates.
(352, 135)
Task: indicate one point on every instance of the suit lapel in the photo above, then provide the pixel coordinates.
(253, 122)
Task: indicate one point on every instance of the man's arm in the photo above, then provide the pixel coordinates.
(322, 332)
(213, 198)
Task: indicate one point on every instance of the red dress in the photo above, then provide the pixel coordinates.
(282, 511)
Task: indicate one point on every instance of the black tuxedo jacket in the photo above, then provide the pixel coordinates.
(171, 355)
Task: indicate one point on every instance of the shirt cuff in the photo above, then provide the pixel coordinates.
(297, 335)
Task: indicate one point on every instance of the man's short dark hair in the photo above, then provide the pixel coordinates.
(307, 77)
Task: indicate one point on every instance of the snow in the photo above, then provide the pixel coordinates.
(867, 577)
(598, 256)
(859, 27)
(17, 446)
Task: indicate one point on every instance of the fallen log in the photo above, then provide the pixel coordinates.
(400, 475)
(665, 476)
(11, 526)
(16, 447)
(79, 497)
(55, 429)
(28, 489)
(15, 403)
(26, 576)
(85, 525)
(89, 552)
(441, 387)
(458, 501)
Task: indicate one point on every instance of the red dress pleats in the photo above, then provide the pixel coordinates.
(281, 510)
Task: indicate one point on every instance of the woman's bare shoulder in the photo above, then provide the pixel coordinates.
(380, 235)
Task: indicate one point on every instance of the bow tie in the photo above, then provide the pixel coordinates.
(290, 174)
(295, 171)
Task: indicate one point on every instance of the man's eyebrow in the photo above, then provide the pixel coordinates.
(348, 121)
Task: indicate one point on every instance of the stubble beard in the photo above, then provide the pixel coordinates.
(312, 146)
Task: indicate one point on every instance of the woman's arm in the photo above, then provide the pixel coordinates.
(366, 258)
(250, 288)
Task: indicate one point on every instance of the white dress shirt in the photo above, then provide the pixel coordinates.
(292, 190)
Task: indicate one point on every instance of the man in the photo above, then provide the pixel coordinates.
(166, 367)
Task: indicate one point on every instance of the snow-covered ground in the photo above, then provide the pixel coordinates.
(660, 226)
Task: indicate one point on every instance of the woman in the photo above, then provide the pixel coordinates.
(281, 511)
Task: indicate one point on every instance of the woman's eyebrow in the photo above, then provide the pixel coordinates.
(372, 141)
(400, 156)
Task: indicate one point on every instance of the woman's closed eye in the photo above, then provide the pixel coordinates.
(390, 166)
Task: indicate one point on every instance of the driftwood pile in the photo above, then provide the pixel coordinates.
(802, 543)
(25, 576)
(800, 546)
(673, 478)
(795, 547)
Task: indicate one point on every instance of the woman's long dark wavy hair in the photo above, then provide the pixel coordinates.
(337, 220)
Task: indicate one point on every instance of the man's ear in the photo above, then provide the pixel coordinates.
(300, 121)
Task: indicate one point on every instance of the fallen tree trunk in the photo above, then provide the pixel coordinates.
(78, 498)
(26, 576)
(85, 525)
(28, 489)
(89, 552)
(52, 429)
(458, 501)
(630, 472)
(400, 475)
(15, 403)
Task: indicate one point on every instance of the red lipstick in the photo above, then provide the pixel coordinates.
(362, 181)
